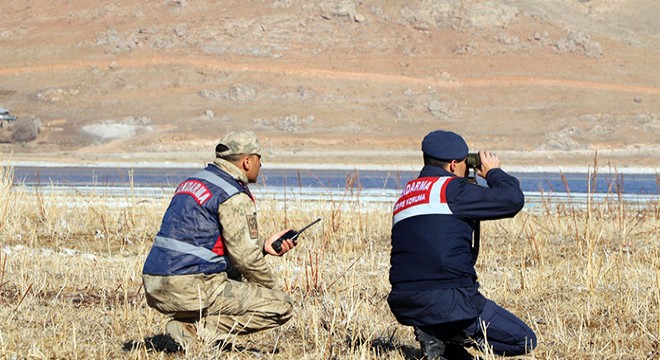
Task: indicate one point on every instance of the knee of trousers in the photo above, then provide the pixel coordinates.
(284, 311)
(530, 341)
(508, 334)
(526, 342)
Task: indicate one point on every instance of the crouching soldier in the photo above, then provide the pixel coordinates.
(434, 283)
(207, 269)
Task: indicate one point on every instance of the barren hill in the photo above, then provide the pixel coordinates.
(542, 82)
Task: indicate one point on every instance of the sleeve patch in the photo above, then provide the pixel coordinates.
(252, 225)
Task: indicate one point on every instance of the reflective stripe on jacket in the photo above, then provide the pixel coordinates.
(189, 240)
(423, 196)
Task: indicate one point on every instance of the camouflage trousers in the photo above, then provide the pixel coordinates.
(211, 307)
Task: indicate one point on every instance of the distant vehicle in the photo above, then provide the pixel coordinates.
(4, 115)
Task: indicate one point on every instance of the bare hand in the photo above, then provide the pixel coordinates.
(489, 161)
(286, 244)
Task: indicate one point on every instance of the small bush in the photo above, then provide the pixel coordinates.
(24, 131)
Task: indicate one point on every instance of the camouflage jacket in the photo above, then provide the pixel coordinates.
(244, 247)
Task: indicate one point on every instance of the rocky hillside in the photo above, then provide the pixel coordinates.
(358, 82)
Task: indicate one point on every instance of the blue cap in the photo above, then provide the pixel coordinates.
(444, 145)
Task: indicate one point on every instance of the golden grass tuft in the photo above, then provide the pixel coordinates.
(586, 279)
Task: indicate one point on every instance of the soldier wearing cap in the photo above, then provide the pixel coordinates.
(206, 269)
(434, 283)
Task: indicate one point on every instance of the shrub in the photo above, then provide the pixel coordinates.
(25, 130)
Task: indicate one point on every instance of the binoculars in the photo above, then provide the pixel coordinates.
(473, 161)
(473, 165)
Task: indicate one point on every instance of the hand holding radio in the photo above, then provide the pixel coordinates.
(290, 235)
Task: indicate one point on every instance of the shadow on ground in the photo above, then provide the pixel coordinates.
(165, 343)
(380, 346)
(161, 343)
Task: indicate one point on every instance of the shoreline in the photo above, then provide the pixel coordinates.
(644, 160)
(316, 166)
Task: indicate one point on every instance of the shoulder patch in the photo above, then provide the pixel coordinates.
(423, 196)
(252, 225)
(196, 189)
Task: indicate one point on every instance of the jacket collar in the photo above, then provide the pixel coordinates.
(434, 171)
(231, 169)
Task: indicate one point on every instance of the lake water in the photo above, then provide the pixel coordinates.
(534, 182)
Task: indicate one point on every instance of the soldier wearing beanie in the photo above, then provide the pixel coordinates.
(207, 270)
(435, 243)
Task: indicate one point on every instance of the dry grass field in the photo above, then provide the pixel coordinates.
(587, 280)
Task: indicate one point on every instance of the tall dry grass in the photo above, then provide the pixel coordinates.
(586, 279)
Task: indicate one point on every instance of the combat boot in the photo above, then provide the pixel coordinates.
(185, 334)
(456, 348)
(432, 347)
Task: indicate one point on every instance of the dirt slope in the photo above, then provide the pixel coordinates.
(354, 82)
